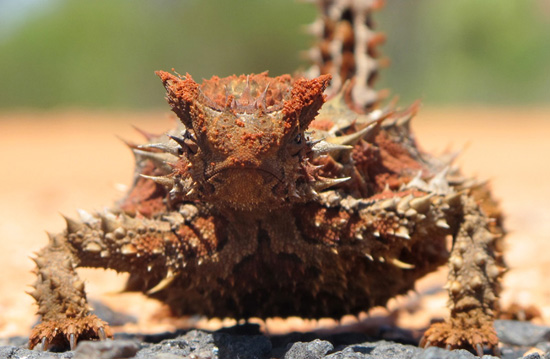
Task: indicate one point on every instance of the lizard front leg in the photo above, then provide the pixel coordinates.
(473, 284)
(61, 298)
(112, 241)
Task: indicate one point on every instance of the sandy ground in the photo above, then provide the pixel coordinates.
(58, 162)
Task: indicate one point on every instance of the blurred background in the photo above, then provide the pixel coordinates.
(102, 53)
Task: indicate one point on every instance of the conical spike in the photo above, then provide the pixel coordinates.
(261, 101)
(164, 181)
(73, 226)
(163, 284)
(384, 112)
(328, 182)
(79, 285)
(125, 219)
(164, 147)
(442, 223)
(158, 158)
(39, 261)
(180, 141)
(245, 94)
(396, 262)
(404, 118)
(373, 129)
(402, 232)
(190, 192)
(418, 182)
(93, 247)
(339, 99)
(421, 204)
(148, 136)
(403, 204)
(313, 192)
(439, 183)
(87, 217)
(388, 204)
(35, 294)
(131, 145)
(55, 240)
(351, 139)
(323, 147)
(108, 222)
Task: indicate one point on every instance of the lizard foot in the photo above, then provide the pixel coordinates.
(455, 334)
(65, 333)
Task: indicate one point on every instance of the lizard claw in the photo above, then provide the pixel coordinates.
(479, 349)
(43, 344)
(72, 341)
(102, 335)
(67, 332)
(451, 335)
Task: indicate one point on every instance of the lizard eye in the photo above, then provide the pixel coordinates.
(187, 142)
(296, 144)
(191, 142)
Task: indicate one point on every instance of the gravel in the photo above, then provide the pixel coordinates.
(247, 342)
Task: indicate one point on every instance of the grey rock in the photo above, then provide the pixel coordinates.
(168, 356)
(312, 350)
(440, 353)
(544, 346)
(245, 346)
(384, 349)
(521, 333)
(13, 352)
(380, 349)
(198, 344)
(107, 349)
(532, 356)
(389, 350)
(17, 341)
(512, 352)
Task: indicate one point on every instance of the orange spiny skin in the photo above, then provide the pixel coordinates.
(268, 199)
(244, 142)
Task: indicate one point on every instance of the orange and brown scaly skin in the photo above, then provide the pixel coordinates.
(270, 200)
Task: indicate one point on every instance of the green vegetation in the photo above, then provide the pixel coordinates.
(470, 51)
(103, 53)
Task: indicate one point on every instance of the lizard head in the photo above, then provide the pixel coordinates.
(244, 144)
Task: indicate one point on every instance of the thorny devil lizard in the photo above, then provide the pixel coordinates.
(285, 196)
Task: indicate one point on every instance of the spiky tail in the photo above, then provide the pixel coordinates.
(347, 49)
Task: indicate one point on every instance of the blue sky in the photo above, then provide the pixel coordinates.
(13, 13)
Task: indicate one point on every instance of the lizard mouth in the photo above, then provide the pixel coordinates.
(222, 172)
(244, 187)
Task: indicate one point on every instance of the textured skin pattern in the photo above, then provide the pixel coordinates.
(347, 49)
(272, 199)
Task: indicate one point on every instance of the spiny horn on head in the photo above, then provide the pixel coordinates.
(306, 99)
(181, 94)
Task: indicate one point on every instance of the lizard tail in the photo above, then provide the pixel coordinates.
(347, 49)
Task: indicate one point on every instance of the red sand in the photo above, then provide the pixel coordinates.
(57, 162)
